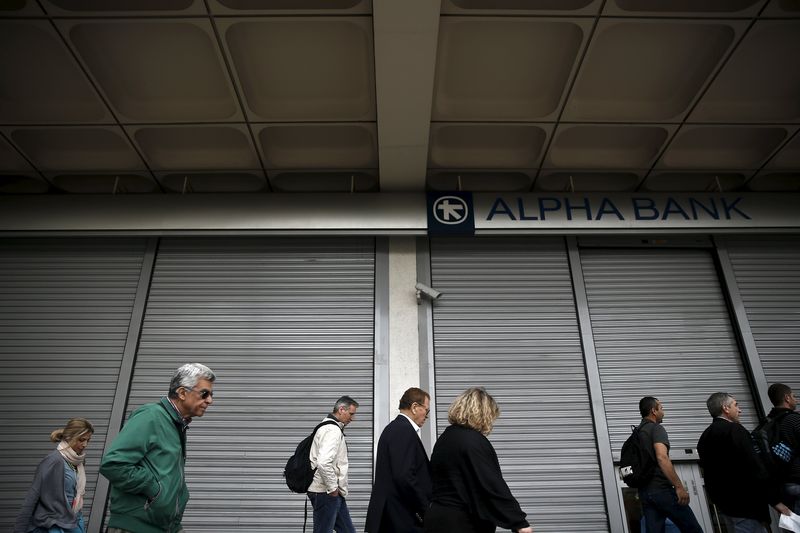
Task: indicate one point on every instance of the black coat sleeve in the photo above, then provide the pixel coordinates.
(491, 497)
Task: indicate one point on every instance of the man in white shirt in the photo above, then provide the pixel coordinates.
(402, 489)
(328, 455)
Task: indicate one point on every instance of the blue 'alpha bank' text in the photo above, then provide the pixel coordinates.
(643, 208)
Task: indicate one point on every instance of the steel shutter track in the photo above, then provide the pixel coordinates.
(65, 308)
(662, 328)
(507, 321)
(287, 325)
(767, 270)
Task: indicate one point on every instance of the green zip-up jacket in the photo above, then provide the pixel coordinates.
(145, 465)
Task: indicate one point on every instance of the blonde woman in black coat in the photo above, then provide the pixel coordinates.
(469, 492)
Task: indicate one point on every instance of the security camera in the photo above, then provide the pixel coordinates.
(428, 292)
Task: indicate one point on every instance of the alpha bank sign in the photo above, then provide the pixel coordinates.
(466, 213)
(401, 213)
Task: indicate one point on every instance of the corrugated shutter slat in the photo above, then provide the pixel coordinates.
(65, 308)
(767, 270)
(507, 322)
(287, 325)
(661, 328)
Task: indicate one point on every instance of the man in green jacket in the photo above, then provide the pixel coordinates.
(145, 463)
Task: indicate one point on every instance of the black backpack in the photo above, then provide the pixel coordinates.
(637, 463)
(774, 454)
(298, 471)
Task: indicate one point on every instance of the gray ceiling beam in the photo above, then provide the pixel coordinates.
(406, 36)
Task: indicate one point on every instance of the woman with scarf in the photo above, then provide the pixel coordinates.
(55, 499)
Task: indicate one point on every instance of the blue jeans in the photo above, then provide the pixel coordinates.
(330, 513)
(741, 525)
(660, 504)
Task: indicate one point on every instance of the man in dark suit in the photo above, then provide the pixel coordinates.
(734, 481)
(402, 488)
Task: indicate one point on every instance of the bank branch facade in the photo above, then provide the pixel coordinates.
(568, 308)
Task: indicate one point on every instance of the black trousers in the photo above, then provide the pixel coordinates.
(441, 519)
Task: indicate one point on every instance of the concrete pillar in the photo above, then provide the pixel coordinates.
(404, 360)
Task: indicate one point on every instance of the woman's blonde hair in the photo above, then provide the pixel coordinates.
(75, 429)
(474, 408)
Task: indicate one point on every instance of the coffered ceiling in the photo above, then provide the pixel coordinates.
(260, 96)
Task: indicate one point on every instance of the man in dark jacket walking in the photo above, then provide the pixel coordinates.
(402, 488)
(733, 478)
(145, 463)
(785, 403)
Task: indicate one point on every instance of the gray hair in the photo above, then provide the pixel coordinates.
(344, 401)
(187, 377)
(717, 401)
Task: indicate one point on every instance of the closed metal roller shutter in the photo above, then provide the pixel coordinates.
(767, 271)
(507, 321)
(661, 328)
(65, 308)
(287, 326)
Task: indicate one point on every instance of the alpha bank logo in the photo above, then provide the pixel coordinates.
(450, 213)
(450, 210)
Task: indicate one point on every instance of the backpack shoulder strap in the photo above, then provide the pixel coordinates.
(325, 423)
(646, 438)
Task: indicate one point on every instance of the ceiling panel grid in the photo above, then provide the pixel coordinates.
(329, 95)
(194, 96)
(679, 96)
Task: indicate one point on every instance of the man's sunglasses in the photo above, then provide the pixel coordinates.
(204, 393)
